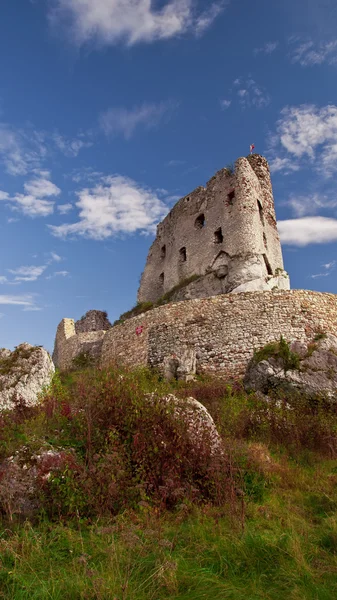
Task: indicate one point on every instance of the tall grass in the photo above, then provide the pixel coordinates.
(137, 513)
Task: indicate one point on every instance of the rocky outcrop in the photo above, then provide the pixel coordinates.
(23, 375)
(23, 475)
(313, 373)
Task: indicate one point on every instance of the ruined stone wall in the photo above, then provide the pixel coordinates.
(93, 320)
(226, 233)
(213, 335)
(68, 344)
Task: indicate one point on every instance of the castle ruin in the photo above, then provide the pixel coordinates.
(215, 242)
(223, 236)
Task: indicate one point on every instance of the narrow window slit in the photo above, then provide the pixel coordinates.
(182, 255)
(163, 251)
(218, 237)
(269, 269)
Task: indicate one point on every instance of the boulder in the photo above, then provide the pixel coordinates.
(23, 375)
(23, 475)
(200, 427)
(315, 374)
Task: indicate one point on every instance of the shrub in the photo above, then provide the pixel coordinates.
(279, 350)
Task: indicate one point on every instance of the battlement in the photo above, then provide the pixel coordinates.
(224, 233)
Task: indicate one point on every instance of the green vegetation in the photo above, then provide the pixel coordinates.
(143, 307)
(230, 169)
(281, 351)
(135, 513)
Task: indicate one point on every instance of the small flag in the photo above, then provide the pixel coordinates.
(139, 330)
(252, 147)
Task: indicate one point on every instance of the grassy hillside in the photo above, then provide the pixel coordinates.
(136, 512)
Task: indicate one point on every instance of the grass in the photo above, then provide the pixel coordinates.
(143, 307)
(276, 539)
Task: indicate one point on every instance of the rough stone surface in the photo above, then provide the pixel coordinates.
(216, 335)
(23, 375)
(317, 372)
(200, 425)
(93, 320)
(22, 476)
(225, 233)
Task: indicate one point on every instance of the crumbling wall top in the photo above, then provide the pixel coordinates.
(93, 320)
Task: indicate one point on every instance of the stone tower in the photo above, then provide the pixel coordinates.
(218, 239)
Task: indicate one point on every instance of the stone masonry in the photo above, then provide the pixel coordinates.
(206, 335)
(224, 236)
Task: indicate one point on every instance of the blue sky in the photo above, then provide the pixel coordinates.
(110, 110)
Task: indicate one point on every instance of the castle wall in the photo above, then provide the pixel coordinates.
(225, 233)
(213, 335)
(68, 344)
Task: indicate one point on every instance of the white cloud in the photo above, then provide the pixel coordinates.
(55, 257)
(114, 206)
(225, 104)
(64, 208)
(283, 164)
(28, 273)
(2, 315)
(21, 151)
(174, 163)
(307, 133)
(308, 230)
(250, 94)
(311, 204)
(3, 279)
(205, 20)
(109, 22)
(328, 268)
(124, 121)
(58, 274)
(26, 300)
(70, 147)
(36, 201)
(267, 48)
(307, 53)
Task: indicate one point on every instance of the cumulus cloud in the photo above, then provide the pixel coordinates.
(3, 279)
(308, 230)
(109, 22)
(36, 201)
(28, 273)
(307, 133)
(308, 53)
(124, 121)
(115, 205)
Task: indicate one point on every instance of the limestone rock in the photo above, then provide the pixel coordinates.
(24, 474)
(23, 375)
(316, 374)
(200, 427)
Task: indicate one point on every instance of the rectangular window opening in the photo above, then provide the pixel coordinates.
(182, 255)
